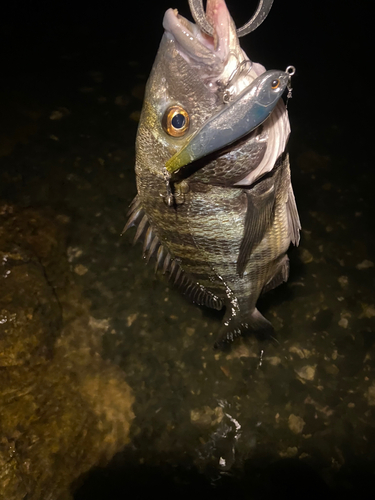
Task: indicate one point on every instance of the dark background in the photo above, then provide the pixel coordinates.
(329, 43)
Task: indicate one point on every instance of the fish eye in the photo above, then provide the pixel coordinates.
(275, 83)
(175, 121)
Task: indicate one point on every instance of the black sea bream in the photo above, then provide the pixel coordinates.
(219, 221)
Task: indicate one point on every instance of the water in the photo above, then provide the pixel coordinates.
(296, 413)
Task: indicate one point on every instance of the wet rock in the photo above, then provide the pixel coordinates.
(63, 408)
(325, 410)
(343, 323)
(305, 256)
(100, 324)
(290, 452)
(370, 395)
(306, 372)
(344, 281)
(190, 331)
(206, 416)
(300, 351)
(131, 318)
(368, 311)
(296, 423)
(225, 370)
(273, 360)
(365, 264)
(80, 269)
(59, 113)
(242, 350)
(332, 369)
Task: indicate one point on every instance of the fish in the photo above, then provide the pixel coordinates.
(215, 205)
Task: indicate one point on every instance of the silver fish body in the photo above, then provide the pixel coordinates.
(220, 226)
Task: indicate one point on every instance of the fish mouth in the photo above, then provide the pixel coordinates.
(197, 47)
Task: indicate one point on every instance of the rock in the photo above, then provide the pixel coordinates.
(296, 424)
(131, 318)
(290, 452)
(300, 351)
(59, 113)
(343, 280)
(368, 311)
(307, 372)
(365, 264)
(370, 395)
(332, 370)
(206, 416)
(343, 323)
(80, 269)
(63, 408)
(190, 331)
(305, 256)
(273, 360)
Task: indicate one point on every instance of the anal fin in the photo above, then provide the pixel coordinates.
(255, 323)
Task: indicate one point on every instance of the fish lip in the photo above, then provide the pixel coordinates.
(192, 43)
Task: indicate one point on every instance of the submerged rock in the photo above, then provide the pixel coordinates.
(306, 372)
(63, 408)
(296, 423)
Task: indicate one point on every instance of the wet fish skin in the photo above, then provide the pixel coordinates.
(225, 238)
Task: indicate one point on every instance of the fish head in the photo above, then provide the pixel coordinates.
(190, 75)
(270, 86)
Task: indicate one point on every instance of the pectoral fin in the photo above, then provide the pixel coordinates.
(259, 216)
(294, 224)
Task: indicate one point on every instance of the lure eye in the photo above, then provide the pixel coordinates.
(175, 121)
(275, 84)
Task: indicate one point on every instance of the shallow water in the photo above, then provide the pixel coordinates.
(263, 412)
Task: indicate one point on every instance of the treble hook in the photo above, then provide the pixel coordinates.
(197, 11)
